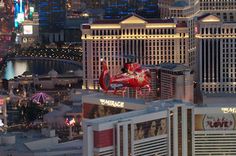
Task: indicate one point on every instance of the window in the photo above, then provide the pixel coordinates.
(1, 109)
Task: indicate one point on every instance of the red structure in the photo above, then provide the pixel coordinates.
(103, 138)
(133, 76)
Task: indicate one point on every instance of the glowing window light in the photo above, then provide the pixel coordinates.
(28, 29)
(1, 123)
(31, 9)
(1, 101)
(70, 122)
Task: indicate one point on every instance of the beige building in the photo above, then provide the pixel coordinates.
(225, 9)
(176, 82)
(187, 8)
(148, 42)
(216, 44)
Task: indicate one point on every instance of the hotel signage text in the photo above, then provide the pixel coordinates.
(111, 103)
(228, 110)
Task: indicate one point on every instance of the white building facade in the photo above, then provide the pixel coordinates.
(167, 128)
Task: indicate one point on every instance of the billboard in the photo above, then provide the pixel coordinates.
(28, 29)
(20, 17)
(92, 111)
(150, 129)
(204, 122)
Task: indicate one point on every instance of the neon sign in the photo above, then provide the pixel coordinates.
(1, 123)
(19, 9)
(28, 29)
(218, 122)
(228, 110)
(112, 103)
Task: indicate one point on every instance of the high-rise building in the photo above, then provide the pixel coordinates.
(51, 15)
(223, 9)
(183, 12)
(164, 8)
(217, 55)
(30, 34)
(119, 9)
(73, 5)
(176, 82)
(146, 41)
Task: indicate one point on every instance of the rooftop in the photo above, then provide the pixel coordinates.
(21, 138)
(153, 107)
(117, 21)
(180, 4)
(34, 142)
(174, 67)
(115, 98)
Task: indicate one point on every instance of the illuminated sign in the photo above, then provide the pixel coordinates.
(1, 101)
(25, 40)
(28, 29)
(228, 110)
(1, 123)
(218, 122)
(20, 17)
(112, 103)
(31, 9)
(70, 122)
(196, 30)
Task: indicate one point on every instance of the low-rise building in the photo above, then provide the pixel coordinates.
(170, 127)
(36, 143)
(51, 81)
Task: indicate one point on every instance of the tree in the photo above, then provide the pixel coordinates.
(33, 111)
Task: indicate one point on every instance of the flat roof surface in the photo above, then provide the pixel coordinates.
(21, 139)
(33, 135)
(153, 107)
(115, 98)
(174, 67)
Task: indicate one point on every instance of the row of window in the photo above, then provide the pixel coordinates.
(225, 31)
(133, 31)
(228, 89)
(108, 50)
